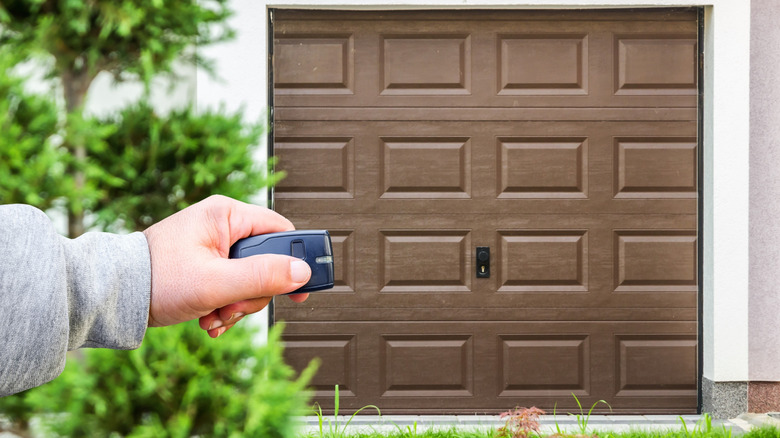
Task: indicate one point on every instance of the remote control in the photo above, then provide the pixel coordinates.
(312, 246)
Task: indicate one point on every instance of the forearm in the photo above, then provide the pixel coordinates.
(58, 294)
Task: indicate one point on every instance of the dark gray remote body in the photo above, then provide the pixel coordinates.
(312, 246)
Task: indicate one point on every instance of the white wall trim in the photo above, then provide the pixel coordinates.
(242, 64)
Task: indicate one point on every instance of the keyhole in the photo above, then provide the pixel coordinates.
(483, 269)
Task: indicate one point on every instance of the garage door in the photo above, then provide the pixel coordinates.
(563, 142)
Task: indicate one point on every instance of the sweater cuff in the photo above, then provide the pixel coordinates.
(110, 280)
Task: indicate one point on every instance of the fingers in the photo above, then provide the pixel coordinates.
(215, 333)
(244, 219)
(299, 298)
(234, 280)
(221, 320)
(232, 313)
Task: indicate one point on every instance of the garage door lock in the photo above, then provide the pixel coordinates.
(483, 262)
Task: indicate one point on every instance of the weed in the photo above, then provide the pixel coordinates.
(582, 419)
(408, 431)
(521, 422)
(333, 430)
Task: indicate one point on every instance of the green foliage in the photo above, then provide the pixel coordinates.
(155, 166)
(140, 37)
(180, 383)
(30, 172)
(131, 39)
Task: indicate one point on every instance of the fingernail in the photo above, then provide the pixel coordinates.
(299, 271)
(220, 331)
(215, 324)
(236, 315)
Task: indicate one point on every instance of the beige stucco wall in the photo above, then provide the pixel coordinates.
(764, 282)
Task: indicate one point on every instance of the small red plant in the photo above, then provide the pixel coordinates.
(521, 422)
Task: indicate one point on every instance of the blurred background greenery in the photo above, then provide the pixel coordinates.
(125, 171)
(135, 166)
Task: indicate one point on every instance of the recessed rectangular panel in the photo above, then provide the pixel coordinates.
(542, 64)
(544, 365)
(425, 261)
(427, 365)
(426, 167)
(543, 260)
(312, 64)
(542, 167)
(655, 167)
(323, 167)
(426, 64)
(656, 64)
(655, 365)
(343, 243)
(655, 260)
(337, 355)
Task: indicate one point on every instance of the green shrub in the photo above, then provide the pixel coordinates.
(160, 165)
(180, 383)
(29, 169)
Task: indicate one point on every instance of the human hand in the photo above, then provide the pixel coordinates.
(192, 276)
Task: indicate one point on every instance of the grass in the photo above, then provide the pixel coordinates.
(524, 423)
(764, 432)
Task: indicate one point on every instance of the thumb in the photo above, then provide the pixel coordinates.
(257, 276)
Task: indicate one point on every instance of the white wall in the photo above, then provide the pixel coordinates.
(242, 65)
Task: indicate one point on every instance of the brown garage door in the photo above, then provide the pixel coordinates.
(566, 142)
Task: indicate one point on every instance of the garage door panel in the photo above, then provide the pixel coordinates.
(568, 261)
(543, 260)
(426, 365)
(656, 365)
(405, 60)
(543, 64)
(314, 63)
(324, 167)
(538, 363)
(426, 167)
(655, 260)
(546, 167)
(337, 356)
(655, 64)
(655, 167)
(424, 261)
(602, 63)
(560, 365)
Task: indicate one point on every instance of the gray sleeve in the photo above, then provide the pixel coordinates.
(58, 294)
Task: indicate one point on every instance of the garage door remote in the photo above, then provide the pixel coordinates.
(312, 246)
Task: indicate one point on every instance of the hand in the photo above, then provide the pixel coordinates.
(192, 276)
